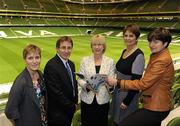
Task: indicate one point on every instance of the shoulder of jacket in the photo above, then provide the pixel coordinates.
(87, 58)
(108, 58)
(20, 79)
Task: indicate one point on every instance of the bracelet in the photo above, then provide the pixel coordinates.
(119, 83)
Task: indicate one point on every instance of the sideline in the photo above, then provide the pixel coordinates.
(5, 87)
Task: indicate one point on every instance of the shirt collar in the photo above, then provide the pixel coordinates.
(63, 60)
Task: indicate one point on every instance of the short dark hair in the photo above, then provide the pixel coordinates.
(134, 28)
(161, 34)
(62, 39)
(31, 48)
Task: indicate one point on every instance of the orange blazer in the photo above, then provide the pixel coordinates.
(156, 82)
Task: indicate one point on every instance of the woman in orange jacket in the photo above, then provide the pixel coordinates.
(155, 84)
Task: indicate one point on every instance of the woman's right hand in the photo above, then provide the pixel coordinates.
(88, 88)
(123, 106)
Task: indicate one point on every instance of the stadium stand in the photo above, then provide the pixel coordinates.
(29, 15)
(79, 12)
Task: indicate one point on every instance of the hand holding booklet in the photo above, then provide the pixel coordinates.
(95, 81)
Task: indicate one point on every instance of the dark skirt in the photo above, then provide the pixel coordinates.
(94, 114)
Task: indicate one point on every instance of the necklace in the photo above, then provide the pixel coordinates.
(35, 77)
(128, 53)
(98, 60)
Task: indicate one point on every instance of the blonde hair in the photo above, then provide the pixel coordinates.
(99, 39)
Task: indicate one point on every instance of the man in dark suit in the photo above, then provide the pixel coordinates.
(61, 85)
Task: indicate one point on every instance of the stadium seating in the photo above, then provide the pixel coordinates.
(59, 16)
(90, 13)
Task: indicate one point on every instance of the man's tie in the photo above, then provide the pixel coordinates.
(71, 76)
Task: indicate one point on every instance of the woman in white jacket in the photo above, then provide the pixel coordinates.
(95, 105)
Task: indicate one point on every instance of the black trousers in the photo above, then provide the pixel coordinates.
(94, 114)
(144, 117)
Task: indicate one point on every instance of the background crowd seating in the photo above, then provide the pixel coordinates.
(147, 14)
(28, 15)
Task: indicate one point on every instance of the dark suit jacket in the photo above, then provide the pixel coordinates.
(23, 105)
(61, 102)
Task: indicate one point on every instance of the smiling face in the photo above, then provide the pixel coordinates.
(159, 39)
(65, 49)
(97, 48)
(32, 57)
(157, 46)
(32, 61)
(129, 39)
(98, 44)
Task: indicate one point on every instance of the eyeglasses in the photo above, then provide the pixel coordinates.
(63, 48)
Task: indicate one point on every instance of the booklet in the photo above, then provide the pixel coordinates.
(95, 81)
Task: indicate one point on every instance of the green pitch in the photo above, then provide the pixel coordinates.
(11, 62)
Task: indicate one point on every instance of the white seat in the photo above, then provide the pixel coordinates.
(4, 121)
(174, 113)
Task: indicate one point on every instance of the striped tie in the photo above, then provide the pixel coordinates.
(70, 75)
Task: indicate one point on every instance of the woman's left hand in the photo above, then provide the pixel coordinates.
(111, 81)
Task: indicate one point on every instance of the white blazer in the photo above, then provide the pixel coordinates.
(87, 68)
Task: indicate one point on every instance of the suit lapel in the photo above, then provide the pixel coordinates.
(103, 66)
(92, 65)
(63, 70)
(32, 93)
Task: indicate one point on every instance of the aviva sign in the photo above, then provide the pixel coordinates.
(29, 33)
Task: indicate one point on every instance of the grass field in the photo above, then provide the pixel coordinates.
(11, 62)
